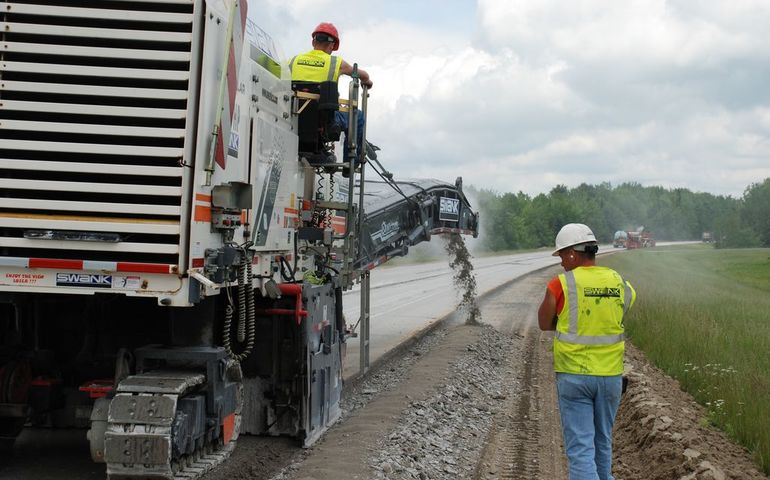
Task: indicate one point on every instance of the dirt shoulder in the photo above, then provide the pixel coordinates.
(525, 441)
(661, 433)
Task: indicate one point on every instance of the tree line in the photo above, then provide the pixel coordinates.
(517, 220)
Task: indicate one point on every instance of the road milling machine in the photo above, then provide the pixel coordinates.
(175, 238)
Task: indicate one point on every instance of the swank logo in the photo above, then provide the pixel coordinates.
(83, 280)
(601, 292)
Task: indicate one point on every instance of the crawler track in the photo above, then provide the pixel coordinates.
(139, 439)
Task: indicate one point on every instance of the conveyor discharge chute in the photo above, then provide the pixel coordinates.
(400, 214)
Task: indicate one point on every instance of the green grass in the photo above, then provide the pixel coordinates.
(703, 316)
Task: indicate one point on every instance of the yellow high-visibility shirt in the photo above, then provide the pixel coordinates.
(315, 66)
(590, 338)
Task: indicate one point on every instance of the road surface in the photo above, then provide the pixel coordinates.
(408, 298)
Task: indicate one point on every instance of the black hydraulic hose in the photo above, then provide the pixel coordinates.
(388, 181)
(339, 317)
(296, 253)
(316, 218)
(226, 334)
(287, 277)
(286, 409)
(242, 302)
(246, 314)
(329, 267)
(251, 314)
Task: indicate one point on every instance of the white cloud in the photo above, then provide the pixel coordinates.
(631, 32)
(661, 92)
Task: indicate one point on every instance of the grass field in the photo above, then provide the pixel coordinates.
(703, 316)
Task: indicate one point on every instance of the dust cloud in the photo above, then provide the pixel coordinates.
(464, 278)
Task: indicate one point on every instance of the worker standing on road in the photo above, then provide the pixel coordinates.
(319, 65)
(585, 306)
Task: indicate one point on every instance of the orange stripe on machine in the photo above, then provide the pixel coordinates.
(73, 264)
(202, 208)
(228, 428)
(202, 214)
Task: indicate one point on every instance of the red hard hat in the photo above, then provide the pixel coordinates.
(329, 29)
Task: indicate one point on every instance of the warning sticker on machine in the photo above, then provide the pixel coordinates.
(24, 278)
(131, 282)
(83, 280)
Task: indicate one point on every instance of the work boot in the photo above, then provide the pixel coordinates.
(371, 150)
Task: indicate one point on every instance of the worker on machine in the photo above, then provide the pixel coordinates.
(586, 306)
(319, 65)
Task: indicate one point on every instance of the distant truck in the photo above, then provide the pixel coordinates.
(619, 239)
(640, 239)
(707, 237)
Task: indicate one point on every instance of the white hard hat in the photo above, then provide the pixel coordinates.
(573, 234)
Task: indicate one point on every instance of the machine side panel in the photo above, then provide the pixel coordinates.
(97, 128)
(256, 144)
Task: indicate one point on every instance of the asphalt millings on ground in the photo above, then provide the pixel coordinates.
(442, 436)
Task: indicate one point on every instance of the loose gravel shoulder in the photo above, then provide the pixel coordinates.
(443, 434)
(404, 431)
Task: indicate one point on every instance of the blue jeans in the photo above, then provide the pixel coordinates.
(342, 121)
(588, 405)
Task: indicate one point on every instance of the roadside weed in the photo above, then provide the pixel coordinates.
(703, 316)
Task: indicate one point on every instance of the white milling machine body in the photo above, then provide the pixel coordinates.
(171, 273)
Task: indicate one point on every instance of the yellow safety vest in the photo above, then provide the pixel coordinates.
(315, 66)
(590, 338)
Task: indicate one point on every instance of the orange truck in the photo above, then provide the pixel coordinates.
(640, 239)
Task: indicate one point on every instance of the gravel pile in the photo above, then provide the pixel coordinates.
(388, 376)
(382, 378)
(442, 436)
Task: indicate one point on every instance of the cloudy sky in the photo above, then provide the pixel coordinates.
(522, 95)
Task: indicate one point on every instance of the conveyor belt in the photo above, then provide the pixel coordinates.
(401, 214)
